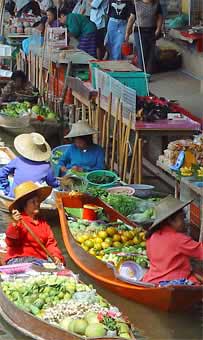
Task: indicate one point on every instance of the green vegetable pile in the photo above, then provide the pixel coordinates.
(67, 303)
(135, 253)
(136, 209)
(56, 156)
(43, 111)
(16, 109)
(101, 179)
(36, 294)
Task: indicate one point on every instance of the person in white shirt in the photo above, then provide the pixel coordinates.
(98, 13)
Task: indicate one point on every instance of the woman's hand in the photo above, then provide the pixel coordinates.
(77, 168)
(57, 261)
(63, 169)
(16, 215)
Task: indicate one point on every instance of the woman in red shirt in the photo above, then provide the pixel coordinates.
(168, 248)
(22, 246)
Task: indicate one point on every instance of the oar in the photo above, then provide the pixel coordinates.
(36, 238)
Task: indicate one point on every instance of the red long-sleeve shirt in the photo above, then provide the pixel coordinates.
(169, 253)
(21, 243)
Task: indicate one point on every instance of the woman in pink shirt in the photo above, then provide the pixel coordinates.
(168, 248)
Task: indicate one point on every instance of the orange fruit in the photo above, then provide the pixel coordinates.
(92, 251)
(105, 245)
(111, 231)
(102, 234)
(85, 247)
(98, 246)
(124, 239)
(89, 243)
(108, 240)
(98, 240)
(116, 237)
(117, 244)
(135, 240)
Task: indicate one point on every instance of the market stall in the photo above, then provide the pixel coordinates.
(183, 160)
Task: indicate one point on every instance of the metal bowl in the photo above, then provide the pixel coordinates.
(143, 190)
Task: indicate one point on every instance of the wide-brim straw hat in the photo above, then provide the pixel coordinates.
(33, 146)
(24, 190)
(166, 208)
(81, 128)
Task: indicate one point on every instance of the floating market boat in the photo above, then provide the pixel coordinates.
(42, 327)
(173, 298)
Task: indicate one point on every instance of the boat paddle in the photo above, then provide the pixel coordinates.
(36, 238)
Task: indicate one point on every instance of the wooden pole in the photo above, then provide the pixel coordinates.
(114, 135)
(104, 129)
(108, 127)
(125, 157)
(140, 161)
(132, 166)
(97, 115)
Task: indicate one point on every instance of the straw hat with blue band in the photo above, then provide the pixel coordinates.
(166, 208)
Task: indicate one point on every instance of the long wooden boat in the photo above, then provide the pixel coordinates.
(34, 327)
(173, 298)
(5, 201)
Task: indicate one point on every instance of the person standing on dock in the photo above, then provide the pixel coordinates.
(148, 19)
(118, 14)
(98, 12)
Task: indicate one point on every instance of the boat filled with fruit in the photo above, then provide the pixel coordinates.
(107, 240)
(54, 304)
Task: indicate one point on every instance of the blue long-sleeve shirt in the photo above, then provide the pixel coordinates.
(90, 159)
(24, 170)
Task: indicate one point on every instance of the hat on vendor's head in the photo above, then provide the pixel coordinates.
(23, 191)
(166, 208)
(33, 146)
(79, 129)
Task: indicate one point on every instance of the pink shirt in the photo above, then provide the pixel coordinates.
(169, 253)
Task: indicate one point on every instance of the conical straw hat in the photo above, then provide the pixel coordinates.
(24, 190)
(81, 128)
(33, 146)
(167, 207)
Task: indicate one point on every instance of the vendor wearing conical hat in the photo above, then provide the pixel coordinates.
(32, 164)
(23, 233)
(168, 248)
(82, 154)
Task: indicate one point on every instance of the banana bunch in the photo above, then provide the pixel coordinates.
(186, 171)
(200, 172)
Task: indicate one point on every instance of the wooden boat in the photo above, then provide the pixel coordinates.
(5, 201)
(32, 326)
(173, 298)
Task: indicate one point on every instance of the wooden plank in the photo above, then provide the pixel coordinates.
(158, 172)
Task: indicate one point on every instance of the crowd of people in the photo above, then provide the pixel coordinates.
(101, 26)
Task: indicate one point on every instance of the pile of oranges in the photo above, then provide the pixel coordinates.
(96, 242)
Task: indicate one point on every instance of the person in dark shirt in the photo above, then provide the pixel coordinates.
(148, 16)
(31, 6)
(119, 12)
(10, 7)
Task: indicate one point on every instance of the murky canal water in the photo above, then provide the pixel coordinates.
(152, 324)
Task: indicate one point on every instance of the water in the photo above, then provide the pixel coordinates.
(152, 324)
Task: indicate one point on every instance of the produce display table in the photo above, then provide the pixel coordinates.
(185, 35)
(186, 190)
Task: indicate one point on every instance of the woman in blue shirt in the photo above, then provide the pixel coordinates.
(32, 164)
(83, 154)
